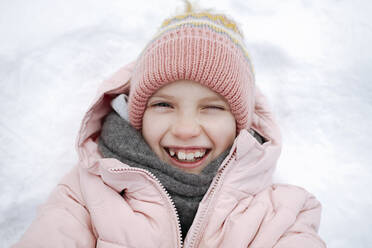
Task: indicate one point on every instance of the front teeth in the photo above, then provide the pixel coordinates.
(181, 155)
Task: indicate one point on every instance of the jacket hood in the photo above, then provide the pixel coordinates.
(255, 162)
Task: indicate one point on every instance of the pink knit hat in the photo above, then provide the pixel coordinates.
(202, 47)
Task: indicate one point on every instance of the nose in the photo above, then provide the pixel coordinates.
(186, 127)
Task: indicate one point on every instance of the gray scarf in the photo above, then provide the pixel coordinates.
(120, 140)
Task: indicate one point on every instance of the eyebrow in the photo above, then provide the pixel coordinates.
(213, 99)
(163, 96)
(208, 98)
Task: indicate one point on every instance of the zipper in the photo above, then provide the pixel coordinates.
(199, 225)
(164, 193)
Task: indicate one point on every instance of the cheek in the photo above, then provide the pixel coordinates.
(221, 130)
(153, 129)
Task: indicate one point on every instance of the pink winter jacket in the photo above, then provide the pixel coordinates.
(242, 208)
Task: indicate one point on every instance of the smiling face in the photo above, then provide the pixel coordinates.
(188, 125)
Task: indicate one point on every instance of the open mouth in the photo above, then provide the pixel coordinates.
(187, 155)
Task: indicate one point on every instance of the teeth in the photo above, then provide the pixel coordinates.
(182, 155)
(197, 154)
(190, 156)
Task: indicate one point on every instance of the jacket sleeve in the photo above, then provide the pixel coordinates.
(304, 231)
(63, 221)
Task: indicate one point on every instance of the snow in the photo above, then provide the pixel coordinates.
(311, 58)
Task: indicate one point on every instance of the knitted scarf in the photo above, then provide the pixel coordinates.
(120, 140)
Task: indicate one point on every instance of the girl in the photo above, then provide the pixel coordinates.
(178, 150)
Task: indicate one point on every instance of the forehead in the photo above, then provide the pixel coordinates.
(187, 88)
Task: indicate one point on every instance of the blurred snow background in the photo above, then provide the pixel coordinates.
(312, 60)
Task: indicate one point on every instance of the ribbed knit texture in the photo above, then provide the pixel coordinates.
(200, 48)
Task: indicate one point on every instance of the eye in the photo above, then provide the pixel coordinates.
(215, 107)
(161, 105)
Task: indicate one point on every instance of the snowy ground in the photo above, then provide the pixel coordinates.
(312, 59)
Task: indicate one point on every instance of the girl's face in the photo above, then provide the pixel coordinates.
(188, 125)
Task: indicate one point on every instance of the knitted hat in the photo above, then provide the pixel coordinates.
(203, 47)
